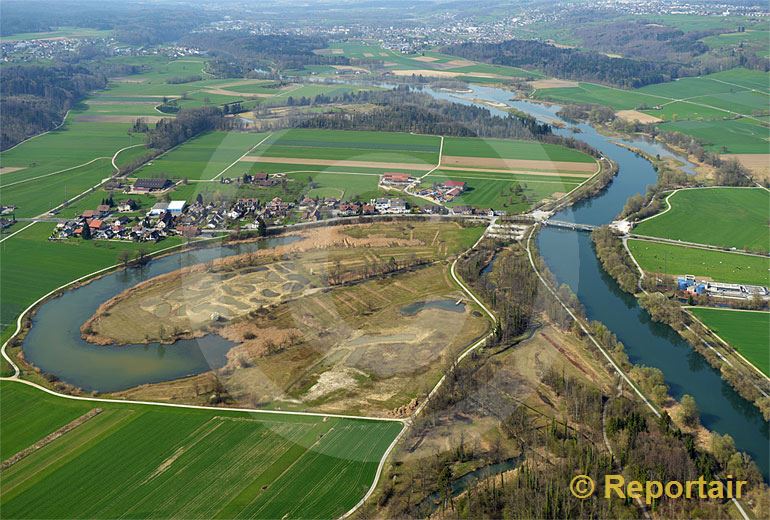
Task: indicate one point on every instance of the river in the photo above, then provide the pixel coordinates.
(54, 344)
(570, 256)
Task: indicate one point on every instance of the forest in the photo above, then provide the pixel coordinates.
(188, 123)
(240, 53)
(570, 63)
(34, 99)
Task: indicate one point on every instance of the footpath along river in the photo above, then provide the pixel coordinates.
(570, 256)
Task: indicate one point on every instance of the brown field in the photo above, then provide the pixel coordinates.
(552, 83)
(128, 79)
(453, 64)
(303, 343)
(350, 68)
(635, 115)
(516, 172)
(328, 51)
(10, 169)
(445, 74)
(368, 55)
(512, 164)
(426, 59)
(758, 164)
(120, 119)
(332, 162)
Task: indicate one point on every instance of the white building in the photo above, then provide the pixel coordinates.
(175, 207)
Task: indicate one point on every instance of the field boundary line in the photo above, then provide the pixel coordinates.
(52, 173)
(115, 155)
(241, 157)
(693, 245)
(17, 231)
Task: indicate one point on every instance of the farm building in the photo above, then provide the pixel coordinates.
(396, 179)
(148, 185)
(158, 208)
(455, 185)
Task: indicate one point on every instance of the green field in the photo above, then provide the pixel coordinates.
(728, 217)
(511, 149)
(183, 463)
(203, 157)
(383, 147)
(717, 265)
(748, 332)
(725, 110)
(590, 93)
(32, 266)
(493, 189)
(725, 136)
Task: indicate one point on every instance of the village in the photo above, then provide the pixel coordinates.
(124, 219)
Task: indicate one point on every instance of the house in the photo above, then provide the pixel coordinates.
(461, 210)
(261, 176)
(95, 224)
(454, 192)
(396, 179)
(89, 213)
(125, 206)
(148, 185)
(394, 206)
(103, 209)
(454, 185)
(175, 207)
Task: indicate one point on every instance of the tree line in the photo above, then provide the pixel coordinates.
(34, 99)
(570, 63)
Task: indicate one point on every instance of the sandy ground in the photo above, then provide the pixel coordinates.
(446, 74)
(332, 162)
(511, 164)
(350, 68)
(127, 79)
(758, 164)
(552, 83)
(521, 172)
(121, 119)
(635, 115)
(453, 64)
(10, 169)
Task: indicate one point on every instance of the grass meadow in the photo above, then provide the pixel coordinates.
(728, 217)
(717, 265)
(746, 331)
(183, 463)
(723, 110)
